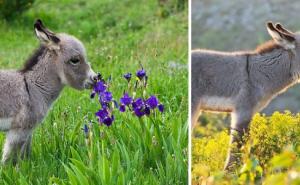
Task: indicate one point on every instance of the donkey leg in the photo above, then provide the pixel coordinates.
(15, 139)
(195, 111)
(26, 147)
(195, 117)
(239, 127)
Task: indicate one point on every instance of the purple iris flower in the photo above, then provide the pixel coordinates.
(126, 99)
(99, 87)
(105, 97)
(127, 76)
(139, 112)
(108, 120)
(138, 103)
(104, 105)
(161, 107)
(139, 106)
(147, 110)
(122, 108)
(141, 74)
(152, 102)
(104, 117)
(102, 113)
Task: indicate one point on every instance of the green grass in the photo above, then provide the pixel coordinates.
(118, 35)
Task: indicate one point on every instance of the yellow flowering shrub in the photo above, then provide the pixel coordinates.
(270, 156)
(268, 135)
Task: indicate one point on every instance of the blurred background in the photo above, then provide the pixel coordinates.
(240, 25)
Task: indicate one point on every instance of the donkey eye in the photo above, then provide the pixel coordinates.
(74, 61)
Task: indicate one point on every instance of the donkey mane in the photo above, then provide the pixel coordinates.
(267, 47)
(33, 59)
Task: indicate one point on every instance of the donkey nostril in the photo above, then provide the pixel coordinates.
(94, 78)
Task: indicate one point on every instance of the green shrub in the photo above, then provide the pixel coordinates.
(11, 8)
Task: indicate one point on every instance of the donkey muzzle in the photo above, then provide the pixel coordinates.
(91, 80)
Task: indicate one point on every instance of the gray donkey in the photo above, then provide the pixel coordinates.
(243, 83)
(27, 94)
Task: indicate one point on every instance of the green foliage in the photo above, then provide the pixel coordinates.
(271, 155)
(168, 7)
(10, 8)
(118, 36)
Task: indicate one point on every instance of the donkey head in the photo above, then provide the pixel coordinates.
(70, 57)
(283, 37)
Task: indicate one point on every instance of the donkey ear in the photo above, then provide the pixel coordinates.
(44, 35)
(282, 38)
(279, 27)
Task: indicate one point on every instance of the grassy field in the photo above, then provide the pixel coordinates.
(118, 35)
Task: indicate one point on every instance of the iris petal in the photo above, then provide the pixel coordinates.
(152, 102)
(126, 99)
(141, 74)
(161, 107)
(99, 87)
(122, 108)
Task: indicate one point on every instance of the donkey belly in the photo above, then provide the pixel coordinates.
(218, 104)
(5, 124)
(217, 80)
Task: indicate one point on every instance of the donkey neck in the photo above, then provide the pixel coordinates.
(272, 70)
(43, 80)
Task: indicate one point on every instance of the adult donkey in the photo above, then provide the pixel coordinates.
(27, 94)
(243, 83)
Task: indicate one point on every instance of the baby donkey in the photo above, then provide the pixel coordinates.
(27, 94)
(243, 83)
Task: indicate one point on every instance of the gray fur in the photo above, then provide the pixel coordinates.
(27, 94)
(243, 83)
